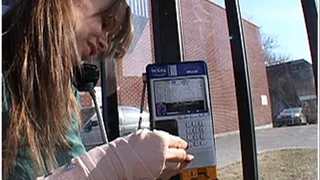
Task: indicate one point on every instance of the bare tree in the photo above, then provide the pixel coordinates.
(269, 44)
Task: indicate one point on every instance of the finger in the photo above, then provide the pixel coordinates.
(176, 155)
(189, 158)
(177, 142)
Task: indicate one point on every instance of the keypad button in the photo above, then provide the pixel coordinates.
(203, 143)
(196, 136)
(195, 130)
(188, 124)
(194, 123)
(189, 131)
(197, 143)
(189, 137)
(202, 136)
(202, 129)
(190, 144)
(200, 123)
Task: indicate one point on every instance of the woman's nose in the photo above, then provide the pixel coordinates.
(103, 43)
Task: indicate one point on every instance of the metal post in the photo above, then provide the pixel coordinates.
(100, 119)
(144, 82)
(109, 98)
(311, 19)
(166, 34)
(165, 31)
(243, 92)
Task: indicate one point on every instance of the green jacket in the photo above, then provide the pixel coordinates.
(24, 168)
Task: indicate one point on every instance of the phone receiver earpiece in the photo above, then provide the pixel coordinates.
(87, 77)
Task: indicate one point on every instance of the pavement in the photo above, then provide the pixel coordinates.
(228, 147)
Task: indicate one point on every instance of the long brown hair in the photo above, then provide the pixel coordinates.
(39, 60)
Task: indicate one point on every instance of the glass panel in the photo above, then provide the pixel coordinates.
(280, 75)
(130, 69)
(281, 70)
(205, 37)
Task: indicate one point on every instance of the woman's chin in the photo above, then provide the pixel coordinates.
(85, 56)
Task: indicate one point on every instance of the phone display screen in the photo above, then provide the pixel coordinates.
(180, 96)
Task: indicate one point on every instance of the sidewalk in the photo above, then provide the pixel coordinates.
(228, 147)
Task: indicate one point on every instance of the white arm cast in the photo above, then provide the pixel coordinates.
(137, 156)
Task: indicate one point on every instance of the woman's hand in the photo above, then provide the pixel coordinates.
(176, 157)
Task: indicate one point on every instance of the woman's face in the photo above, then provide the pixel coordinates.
(89, 28)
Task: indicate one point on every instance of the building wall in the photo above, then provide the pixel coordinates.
(131, 69)
(258, 75)
(205, 37)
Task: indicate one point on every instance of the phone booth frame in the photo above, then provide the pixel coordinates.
(167, 49)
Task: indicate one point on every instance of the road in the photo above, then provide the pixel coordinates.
(228, 147)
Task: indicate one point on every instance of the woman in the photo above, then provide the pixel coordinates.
(43, 44)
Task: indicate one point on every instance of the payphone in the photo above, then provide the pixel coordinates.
(179, 103)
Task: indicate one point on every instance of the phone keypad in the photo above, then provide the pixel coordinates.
(198, 132)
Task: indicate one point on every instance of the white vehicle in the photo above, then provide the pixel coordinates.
(128, 122)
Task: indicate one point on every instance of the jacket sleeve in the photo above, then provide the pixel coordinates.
(137, 156)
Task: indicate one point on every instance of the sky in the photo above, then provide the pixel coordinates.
(282, 19)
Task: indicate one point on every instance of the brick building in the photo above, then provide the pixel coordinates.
(205, 37)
